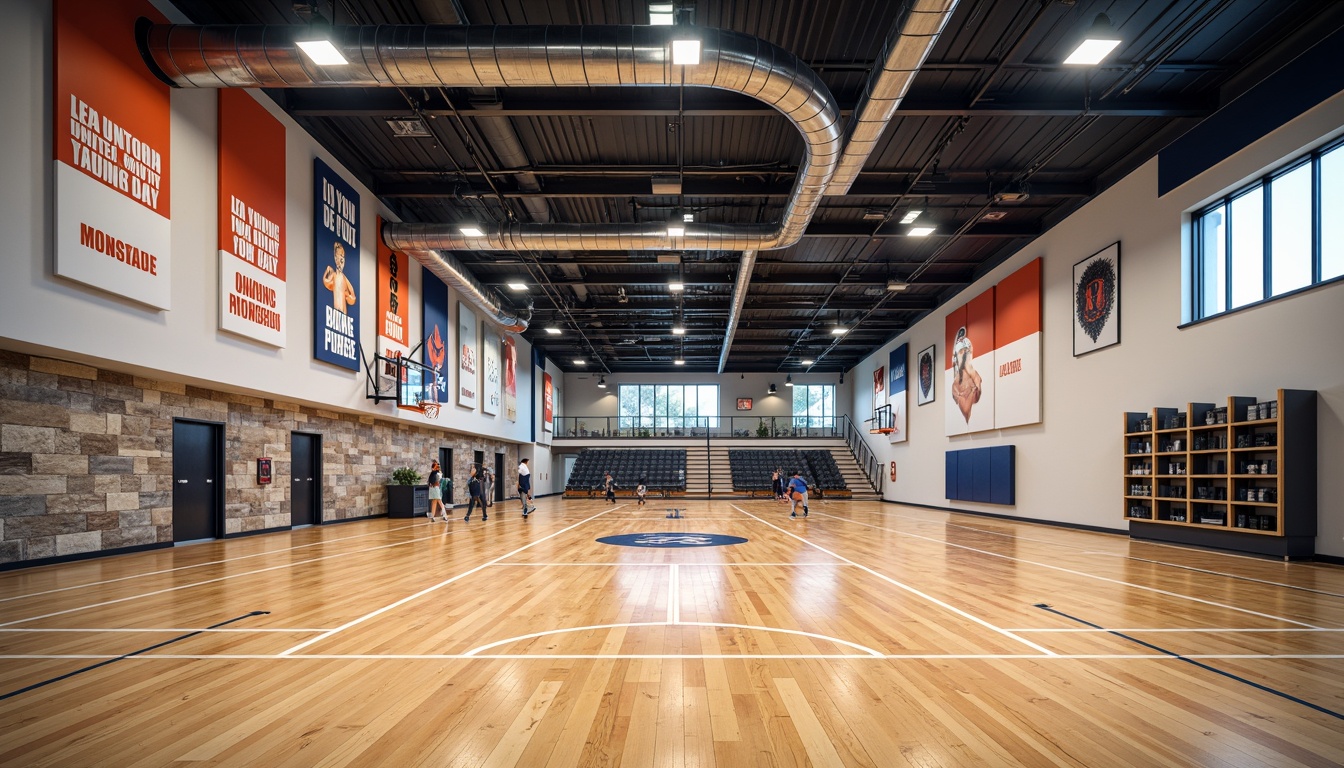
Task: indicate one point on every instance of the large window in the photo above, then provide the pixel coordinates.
(1273, 237)
(663, 407)
(814, 405)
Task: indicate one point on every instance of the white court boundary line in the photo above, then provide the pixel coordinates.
(686, 657)
(118, 630)
(1084, 574)
(474, 653)
(906, 587)
(1218, 630)
(1121, 555)
(427, 590)
(222, 561)
(223, 578)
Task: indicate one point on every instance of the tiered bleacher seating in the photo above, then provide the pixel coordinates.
(751, 469)
(663, 471)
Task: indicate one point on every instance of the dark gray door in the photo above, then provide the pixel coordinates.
(196, 481)
(305, 482)
(446, 466)
(499, 477)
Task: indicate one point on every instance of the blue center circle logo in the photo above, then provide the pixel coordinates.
(667, 540)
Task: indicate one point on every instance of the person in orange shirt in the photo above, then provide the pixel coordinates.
(342, 292)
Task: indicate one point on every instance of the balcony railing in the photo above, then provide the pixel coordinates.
(611, 427)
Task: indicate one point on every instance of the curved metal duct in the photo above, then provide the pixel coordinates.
(739, 298)
(512, 56)
(450, 270)
(904, 52)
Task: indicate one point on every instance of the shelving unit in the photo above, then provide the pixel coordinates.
(1240, 476)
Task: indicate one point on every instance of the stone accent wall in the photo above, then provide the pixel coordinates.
(86, 457)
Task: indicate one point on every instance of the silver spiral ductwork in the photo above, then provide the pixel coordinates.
(903, 53)
(744, 268)
(536, 56)
(451, 271)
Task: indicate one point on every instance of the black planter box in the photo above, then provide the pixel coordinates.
(407, 500)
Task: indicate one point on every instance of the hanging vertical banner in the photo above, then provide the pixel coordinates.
(1017, 347)
(251, 219)
(969, 365)
(393, 326)
(437, 338)
(896, 388)
(510, 379)
(468, 375)
(335, 268)
(111, 149)
(494, 391)
(547, 403)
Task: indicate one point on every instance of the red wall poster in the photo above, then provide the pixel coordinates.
(251, 220)
(547, 403)
(110, 145)
(393, 314)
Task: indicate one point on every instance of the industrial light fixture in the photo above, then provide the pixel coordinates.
(874, 214)
(679, 361)
(678, 330)
(321, 52)
(910, 216)
(771, 390)
(551, 329)
(686, 52)
(471, 230)
(601, 382)
(842, 377)
(1097, 44)
(408, 127)
(517, 286)
(896, 286)
(676, 229)
(788, 380)
(839, 330)
(921, 231)
(808, 362)
(676, 286)
(688, 217)
(580, 361)
(662, 14)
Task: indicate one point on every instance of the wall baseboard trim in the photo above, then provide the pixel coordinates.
(1015, 518)
(241, 534)
(1331, 559)
(82, 556)
(351, 519)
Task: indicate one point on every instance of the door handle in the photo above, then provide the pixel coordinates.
(310, 479)
(183, 482)
(297, 480)
(209, 481)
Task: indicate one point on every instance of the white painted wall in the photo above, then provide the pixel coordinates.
(1069, 466)
(42, 314)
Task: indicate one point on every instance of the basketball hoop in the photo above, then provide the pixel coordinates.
(430, 408)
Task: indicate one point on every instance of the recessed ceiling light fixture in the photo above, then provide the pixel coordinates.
(921, 231)
(1097, 44)
(517, 286)
(551, 329)
(321, 52)
(686, 52)
(471, 230)
(661, 14)
(910, 216)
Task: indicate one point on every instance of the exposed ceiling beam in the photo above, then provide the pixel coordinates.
(753, 186)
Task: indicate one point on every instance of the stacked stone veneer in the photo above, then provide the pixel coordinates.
(86, 457)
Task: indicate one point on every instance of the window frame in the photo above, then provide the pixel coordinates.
(1199, 264)
(665, 420)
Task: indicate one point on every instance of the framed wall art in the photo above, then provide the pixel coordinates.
(744, 403)
(924, 388)
(1096, 301)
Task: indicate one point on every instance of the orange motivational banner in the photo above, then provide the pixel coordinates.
(393, 273)
(251, 219)
(111, 153)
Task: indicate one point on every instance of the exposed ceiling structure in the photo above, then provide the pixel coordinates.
(992, 140)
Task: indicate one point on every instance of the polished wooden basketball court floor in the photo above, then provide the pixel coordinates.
(865, 635)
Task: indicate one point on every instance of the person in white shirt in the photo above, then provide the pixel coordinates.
(525, 488)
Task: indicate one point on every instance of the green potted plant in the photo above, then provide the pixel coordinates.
(406, 497)
(762, 430)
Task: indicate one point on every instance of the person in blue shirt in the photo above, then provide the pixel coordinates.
(797, 493)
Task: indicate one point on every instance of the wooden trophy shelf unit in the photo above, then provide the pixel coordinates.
(1239, 476)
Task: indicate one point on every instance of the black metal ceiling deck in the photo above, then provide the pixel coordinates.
(992, 111)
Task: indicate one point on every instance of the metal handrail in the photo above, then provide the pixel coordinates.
(863, 455)
(715, 427)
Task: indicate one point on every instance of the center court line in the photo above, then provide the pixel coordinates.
(221, 561)
(1084, 574)
(1122, 555)
(446, 582)
(906, 587)
(224, 578)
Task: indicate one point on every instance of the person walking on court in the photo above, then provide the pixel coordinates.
(474, 490)
(797, 493)
(777, 484)
(436, 493)
(487, 488)
(525, 487)
(641, 491)
(609, 485)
